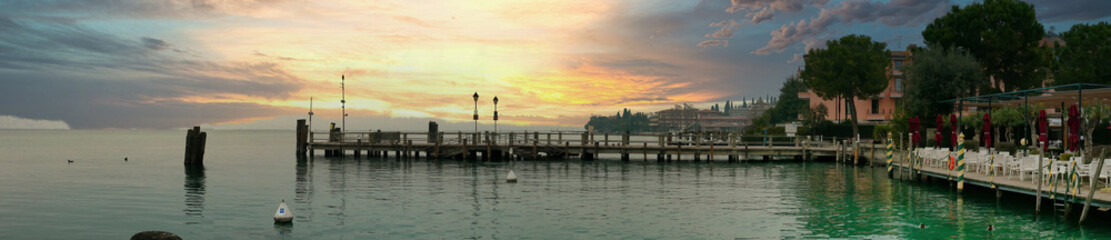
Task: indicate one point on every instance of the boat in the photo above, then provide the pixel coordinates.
(511, 177)
(283, 215)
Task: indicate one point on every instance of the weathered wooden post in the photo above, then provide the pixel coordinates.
(732, 147)
(669, 135)
(358, 144)
(535, 153)
(194, 146)
(433, 132)
(660, 153)
(1092, 189)
(679, 153)
(625, 146)
(566, 149)
(698, 147)
(439, 140)
(302, 136)
(710, 158)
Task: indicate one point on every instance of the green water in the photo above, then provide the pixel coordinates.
(247, 173)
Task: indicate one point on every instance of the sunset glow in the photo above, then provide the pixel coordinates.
(114, 64)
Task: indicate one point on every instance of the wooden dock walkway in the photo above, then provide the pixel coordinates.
(692, 146)
(1100, 199)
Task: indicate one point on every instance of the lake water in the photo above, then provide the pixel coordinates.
(247, 173)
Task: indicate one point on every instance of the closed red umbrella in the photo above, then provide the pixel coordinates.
(1074, 128)
(917, 132)
(1043, 129)
(938, 137)
(987, 130)
(953, 122)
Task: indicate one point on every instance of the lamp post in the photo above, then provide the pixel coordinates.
(495, 114)
(475, 111)
(343, 103)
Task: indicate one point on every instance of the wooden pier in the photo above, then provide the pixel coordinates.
(903, 168)
(505, 146)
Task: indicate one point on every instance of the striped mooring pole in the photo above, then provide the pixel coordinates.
(960, 162)
(890, 150)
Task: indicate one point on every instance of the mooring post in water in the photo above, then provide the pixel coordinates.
(960, 162)
(302, 135)
(1092, 189)
(890, 149)
(194, 146)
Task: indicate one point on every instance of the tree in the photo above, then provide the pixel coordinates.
(1094, 116)
(940, 74)
(1085, 56)
(728, 107)
(791, 107)
(814, 118)
(1003, 35)
(853, 66)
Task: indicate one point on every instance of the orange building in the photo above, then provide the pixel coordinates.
(874, 109)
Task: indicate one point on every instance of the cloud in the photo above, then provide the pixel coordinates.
(61, 70)
(713, 43)
(114, 9)
(154, 44)
(726, 30)
(11, 122)
(896, 13)
(1076, 10)
(763, 10)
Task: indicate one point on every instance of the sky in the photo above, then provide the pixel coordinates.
(138, 64)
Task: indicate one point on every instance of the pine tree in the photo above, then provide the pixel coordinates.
(728, 107)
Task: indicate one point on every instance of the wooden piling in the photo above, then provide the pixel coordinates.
(194, 146)
(302, 137)
(679, 153)
(1092, 189)
(534, 150)
(358, 142)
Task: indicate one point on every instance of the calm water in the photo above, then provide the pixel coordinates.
(247, 173)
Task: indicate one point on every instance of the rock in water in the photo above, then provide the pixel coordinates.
(155, 235)
(283, 215)
(511, 177)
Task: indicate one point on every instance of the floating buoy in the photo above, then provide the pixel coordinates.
(921, 225)
(283, 215)
(511, 177)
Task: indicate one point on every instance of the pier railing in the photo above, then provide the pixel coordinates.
(572, 138)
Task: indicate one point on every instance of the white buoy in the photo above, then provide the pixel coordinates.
(511, 177)
(283, 215)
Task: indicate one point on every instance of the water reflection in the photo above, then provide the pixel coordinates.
(304, 188)
(194, 193)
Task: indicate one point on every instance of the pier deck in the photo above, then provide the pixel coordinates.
(1101, 199)
(562, 145)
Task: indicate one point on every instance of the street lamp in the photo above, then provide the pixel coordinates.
(475, 111)
(343, 103)
(495, 114)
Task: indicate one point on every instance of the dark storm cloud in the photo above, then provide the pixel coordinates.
(895, 13)
(764, 10)
(1076, 10)
(154, 44)
(93, 102)
(60, 70)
